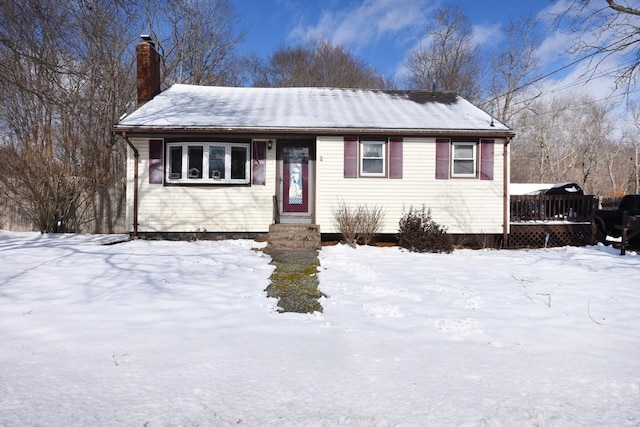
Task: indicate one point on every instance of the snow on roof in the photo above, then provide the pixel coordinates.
(188, 106)
(520, 189)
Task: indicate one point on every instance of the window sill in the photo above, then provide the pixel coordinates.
(206, 184)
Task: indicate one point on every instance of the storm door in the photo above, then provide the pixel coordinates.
(296, 180)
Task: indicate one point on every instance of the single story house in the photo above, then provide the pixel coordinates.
(237, 159)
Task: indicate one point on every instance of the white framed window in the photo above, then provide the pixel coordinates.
(464, 159)
(373, 158)
(207, 163)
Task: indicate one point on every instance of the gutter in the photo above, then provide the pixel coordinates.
(506, 211)
(136, 155)
(150, 131)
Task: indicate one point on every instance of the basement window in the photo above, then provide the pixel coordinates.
(207, 163)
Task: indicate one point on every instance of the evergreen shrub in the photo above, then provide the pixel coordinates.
(418, 232)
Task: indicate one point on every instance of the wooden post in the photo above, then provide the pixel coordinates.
(625, 219)
(592, 216)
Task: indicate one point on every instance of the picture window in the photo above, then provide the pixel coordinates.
(207, 163)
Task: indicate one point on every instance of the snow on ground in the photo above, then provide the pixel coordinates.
(155, 333)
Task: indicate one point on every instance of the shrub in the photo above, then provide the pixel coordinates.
(198, 234)
(358, 225)
(419, 233)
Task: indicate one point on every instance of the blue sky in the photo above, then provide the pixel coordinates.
(381, 32)
(384, 32)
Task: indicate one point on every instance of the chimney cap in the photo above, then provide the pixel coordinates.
(146, 38)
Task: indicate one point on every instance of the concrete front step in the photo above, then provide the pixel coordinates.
(293, 237)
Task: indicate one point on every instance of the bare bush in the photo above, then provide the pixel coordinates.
(358, 225)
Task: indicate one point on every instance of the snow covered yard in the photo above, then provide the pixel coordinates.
(181, 334)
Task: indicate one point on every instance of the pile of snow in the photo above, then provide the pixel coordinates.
(520, 189)
(181, 333)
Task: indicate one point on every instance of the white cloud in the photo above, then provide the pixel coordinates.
(487, 35)
(556, 8)
(364, 24)
(554, 47)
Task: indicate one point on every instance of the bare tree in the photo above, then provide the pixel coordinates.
(572, 138)
(66, 75)
(617, 178)
(61, 75)
(319, 64)
(448, 58)
(253, 71)
(105, 63)
(197, 40)
(31, 71)
(606, 29)
(536, 157)
(634, 143)
(513, 66)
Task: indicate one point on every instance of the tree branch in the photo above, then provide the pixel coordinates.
(622, 9)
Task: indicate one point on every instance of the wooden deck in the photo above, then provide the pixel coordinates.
(551, 221)
(552, 208)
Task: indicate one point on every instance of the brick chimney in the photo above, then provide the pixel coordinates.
(148, 74)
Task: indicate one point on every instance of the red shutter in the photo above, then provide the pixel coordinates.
(259, 163)
(442, 158)
(155, 161)
(486, 159)
(350, 157)
(395, 158)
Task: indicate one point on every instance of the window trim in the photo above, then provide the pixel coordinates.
(383, 158)
(473, 158)
(206, 178)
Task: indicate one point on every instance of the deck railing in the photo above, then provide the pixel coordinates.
(552, 208)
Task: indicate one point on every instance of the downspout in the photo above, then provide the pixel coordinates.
(136, 155)
(506, 211)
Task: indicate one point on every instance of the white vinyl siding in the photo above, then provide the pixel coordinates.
(463, 206)
(214, 208)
